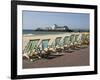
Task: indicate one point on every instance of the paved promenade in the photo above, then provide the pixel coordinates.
(76, 58)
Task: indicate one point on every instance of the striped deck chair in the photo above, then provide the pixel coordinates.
(45, 44)
(51, 46)
(82, 41)
(58, 44)
(44, 48)
(67, 43)
(30, 49)
(26, 51)
(62, 43)
(72, 41)
(77, 40)
(85, 39)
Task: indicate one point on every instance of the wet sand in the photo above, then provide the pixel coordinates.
(76, 58)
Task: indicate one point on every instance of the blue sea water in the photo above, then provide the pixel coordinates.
(40, 32)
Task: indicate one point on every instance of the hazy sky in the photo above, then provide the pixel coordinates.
(34, 19)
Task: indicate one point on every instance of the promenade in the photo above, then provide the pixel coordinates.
(76, 58)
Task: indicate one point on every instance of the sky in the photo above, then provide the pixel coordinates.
(39, 19)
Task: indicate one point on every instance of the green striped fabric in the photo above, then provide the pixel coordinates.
(32, 44)
(57, 41)
(72, 38)
(76, 38)
(66, 40)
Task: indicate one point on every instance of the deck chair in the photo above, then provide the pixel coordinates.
(77, 41)
(72, 41)
(51, 46)
(26, 51)
(30, 50)
(44, 51)
(82, 41)
(85, 39)
(67, 43)
(59, 45)
(54, 46)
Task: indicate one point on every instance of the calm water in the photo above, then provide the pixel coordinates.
(40, 32)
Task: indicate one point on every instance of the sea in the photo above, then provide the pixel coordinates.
(41, 32)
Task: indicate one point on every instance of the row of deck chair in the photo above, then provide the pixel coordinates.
(34, 49)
